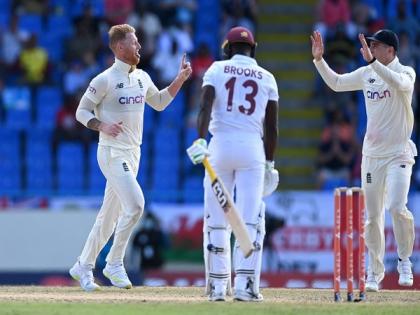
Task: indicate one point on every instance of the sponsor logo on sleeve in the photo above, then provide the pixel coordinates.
(91, 89)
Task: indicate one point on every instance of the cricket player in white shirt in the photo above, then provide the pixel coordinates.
(388, 152)
(113, 104)
(239, 104)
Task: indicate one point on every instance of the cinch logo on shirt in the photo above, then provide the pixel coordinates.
(127, 100)
(378, 95)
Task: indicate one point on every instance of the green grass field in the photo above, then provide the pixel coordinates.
(184, 301)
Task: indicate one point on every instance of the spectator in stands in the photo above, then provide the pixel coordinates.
(80, 43)
(239, 13)
(200, 62)
(148, 23)
(67, 128)
(340, 47)
(403, 22)
(33, 62)
(38, 7)
(177, 11)
(165, 62)
(88, 21)
(408, 51)
(12, 41)
(117, 11)
(331, 13)
(75, 78)
(337, 152)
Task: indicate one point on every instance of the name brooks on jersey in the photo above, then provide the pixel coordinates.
(253, 73)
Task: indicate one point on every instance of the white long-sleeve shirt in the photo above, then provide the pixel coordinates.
(388, 92)
(118, 95)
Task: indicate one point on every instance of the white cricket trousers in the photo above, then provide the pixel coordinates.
(238, 159)
(386, 182)
(122, 206)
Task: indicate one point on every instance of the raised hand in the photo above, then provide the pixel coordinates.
(185, 68)
(317, 45)
(365, 50)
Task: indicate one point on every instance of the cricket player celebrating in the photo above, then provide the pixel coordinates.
(113, 104)
(239, 104)
(388, 152)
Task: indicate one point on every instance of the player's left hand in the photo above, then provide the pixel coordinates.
(185, 69)
(198, 151)
(365, 50)
(271, 178)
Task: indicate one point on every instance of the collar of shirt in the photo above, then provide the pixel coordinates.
(122, 66)
(244, 58)
(393, 63)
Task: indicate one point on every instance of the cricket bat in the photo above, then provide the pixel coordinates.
(232, 215)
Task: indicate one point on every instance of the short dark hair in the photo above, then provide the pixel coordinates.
(118, 32)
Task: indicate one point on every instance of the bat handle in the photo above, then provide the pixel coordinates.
(209, 169)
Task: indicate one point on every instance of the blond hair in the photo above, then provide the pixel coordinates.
(118, 32)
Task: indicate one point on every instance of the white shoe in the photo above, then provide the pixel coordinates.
(247, 296)
(245, 291)
(373, 281)
(85, 276)
(218, 293)
(406, 275)
(118, 276)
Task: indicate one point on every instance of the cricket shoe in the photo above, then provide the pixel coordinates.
(406, 275)
(85, 277)
(118, 276)
(373, 281)
(247, 296)
(218, 293)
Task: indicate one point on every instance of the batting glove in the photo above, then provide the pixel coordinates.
(198, 151)
(271, 178)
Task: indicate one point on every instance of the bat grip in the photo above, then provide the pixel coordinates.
(209, 169)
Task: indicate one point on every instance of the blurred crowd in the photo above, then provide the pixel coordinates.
(63, 44)
(340, 22)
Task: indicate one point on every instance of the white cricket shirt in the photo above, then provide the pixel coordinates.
(120, 96)
(243, 89)
(388, 92)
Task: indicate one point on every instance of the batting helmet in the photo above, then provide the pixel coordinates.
(238, 34)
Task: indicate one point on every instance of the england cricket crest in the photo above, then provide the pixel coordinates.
(140, 84)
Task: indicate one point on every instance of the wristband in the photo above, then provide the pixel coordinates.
(372, 61)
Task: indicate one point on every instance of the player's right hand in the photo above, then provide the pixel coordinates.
(112, 130)
(317, 45)
(198, 151)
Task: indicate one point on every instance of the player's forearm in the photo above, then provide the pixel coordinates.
(175, 86)
(94, 124)
(329, 76)
(160, 99)
(270, 142)
(270, 129)
(203, 120)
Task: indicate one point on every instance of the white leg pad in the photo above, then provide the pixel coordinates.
(248, 270)
(217, 257)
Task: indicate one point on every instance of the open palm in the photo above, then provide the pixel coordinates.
(317, 45)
